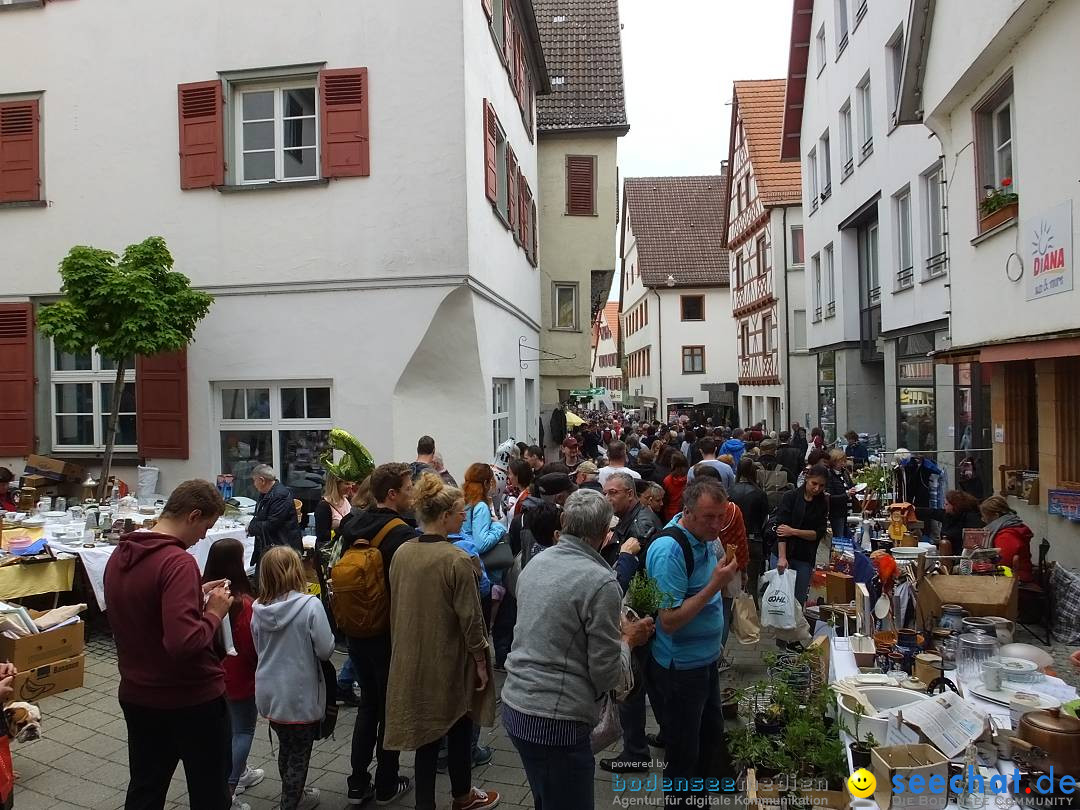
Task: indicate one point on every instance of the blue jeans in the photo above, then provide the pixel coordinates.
(244, 716)
(559, 776)
(693, 729)
(347, 676)
(803, 571)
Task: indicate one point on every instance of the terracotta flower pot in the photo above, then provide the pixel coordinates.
(989, 221)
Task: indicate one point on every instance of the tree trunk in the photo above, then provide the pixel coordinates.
(110, 432)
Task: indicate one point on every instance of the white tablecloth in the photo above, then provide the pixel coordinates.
(95, 559)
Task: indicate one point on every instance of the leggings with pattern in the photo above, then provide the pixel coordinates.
(294, 753)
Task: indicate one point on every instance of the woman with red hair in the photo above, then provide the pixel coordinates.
(480, 525)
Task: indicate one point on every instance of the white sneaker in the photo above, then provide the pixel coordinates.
(249, 778)
(239, 805)
(309, 800)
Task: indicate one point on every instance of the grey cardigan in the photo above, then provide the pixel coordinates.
(568, 649)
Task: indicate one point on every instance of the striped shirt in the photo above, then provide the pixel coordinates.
(543, 730)
(696, 644)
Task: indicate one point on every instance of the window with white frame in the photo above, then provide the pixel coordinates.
(815, 264)
(841, 26)
(798, 321)
(276, 132)
(995, 122)
(768, 334)
(285, 424)
(498, 12)
(830, 282)
(896, 68)
(933, 194)
(564, 308)
(847, 154)
(501, 407)
(823, 55)
(82, 389)
(812, 177)
(905, 267)
(826, 166)
(798, 254)
(866, 119)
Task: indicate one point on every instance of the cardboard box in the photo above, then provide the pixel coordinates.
(979, 595)
(42, 648)
(778, 793)
(918, 760)
(49, 679)
(54, 469)
(839, 588)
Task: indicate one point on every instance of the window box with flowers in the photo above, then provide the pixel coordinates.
(999, 206)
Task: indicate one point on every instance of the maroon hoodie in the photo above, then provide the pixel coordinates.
(165, 643)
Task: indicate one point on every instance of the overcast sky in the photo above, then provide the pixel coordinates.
(680, 58)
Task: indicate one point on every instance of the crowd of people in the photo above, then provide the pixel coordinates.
(522, 570)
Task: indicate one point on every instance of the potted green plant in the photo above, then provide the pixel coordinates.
(860, 749)
(998, 206)
(644, 597)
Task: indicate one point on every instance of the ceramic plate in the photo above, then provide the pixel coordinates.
(1018, 666)
(1003, 697)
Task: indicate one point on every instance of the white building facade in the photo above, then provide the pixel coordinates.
(678, 337)
(606, 371)
(767, 262)
(373, 269)
(874, 228)
(992, 88)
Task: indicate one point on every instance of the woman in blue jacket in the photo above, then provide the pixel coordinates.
(480, 525)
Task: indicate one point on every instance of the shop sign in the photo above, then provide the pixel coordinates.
(680, 400)
(616, 396)
(1047, 242)
(1063, 502)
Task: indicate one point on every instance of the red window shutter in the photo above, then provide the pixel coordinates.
(20, 151)
(580, 185)
(519, 69)
(533, 256)
(487, 7)
(523, 209)
(161, 406)
(16, 380)
(202, 135)
(512, 201)
(491, 157)
(343, 104)
(508, 39)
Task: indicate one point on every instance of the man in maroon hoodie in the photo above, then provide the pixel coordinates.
(172, 683)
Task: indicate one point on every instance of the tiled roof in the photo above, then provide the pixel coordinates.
(679, 226)
(583, 51)
(761, 106)
(611, 318)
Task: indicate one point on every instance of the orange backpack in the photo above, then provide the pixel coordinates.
(361, 601)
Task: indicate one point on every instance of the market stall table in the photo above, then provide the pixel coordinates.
(31, 579)
(95, 559)
(842, 665)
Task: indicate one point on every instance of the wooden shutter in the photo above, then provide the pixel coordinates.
(512, 202)
(161, 407)
(16, 380)
(533, 254)
(491, 153)
(202, 135)
(580, 185)
(487, 8)
(520, 226)
(519, 69)
(343, 105)
(20, 151)
(508, 39)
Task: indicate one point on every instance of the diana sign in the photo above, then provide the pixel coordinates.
(1047, 242)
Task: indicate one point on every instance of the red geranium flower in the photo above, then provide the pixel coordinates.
(1006, 182)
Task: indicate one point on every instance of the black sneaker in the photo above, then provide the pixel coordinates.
(347, 697)
(623, 766)
(358, 797)
(481, 755)
(404, 786)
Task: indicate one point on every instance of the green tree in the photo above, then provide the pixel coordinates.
(123, 306)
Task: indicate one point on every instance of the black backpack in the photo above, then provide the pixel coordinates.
(677, 534)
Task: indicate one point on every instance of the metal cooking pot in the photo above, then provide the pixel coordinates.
(1055, 733)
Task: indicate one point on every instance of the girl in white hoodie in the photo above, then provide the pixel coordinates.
(291, 632)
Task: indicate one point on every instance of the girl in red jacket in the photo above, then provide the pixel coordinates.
(1009, 535)
(674, 485)
(226, 561)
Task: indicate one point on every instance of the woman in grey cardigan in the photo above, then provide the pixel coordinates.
(571, 647)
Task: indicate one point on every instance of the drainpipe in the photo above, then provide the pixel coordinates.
(660, 406)
(787, 335)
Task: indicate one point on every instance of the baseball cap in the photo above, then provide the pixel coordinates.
(588, 468)
(555, 484)
(570, 442)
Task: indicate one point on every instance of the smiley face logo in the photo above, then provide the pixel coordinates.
(862, 784)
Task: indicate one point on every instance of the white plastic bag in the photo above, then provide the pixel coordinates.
(778, 603)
